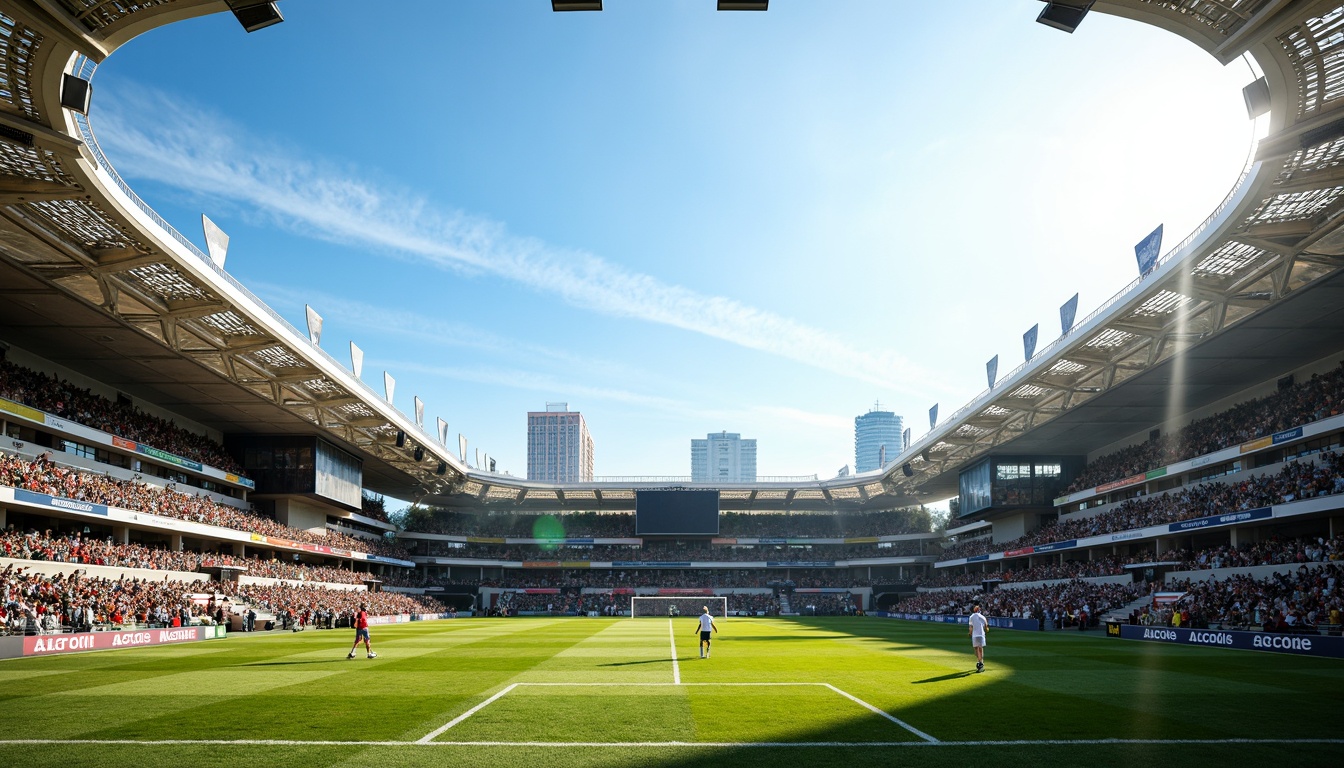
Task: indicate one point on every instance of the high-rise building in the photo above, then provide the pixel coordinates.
(723, 458)
(877, 439)
(559, 448)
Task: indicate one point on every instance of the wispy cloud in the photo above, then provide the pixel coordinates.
(203, 153)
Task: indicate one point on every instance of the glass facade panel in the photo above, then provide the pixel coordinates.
(339, 475)
(974, 488)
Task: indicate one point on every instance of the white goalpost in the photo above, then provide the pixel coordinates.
(674, 607)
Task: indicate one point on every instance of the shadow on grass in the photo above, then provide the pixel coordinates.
(290, 663)
(953, 676)
(633, 663)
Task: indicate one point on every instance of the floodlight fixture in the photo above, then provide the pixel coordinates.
(1065, 16)
(76, 93)
(1257, 98)
(255, 14)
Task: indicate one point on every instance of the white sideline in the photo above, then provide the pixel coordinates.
(883, 713)
(626, 744)
(677, 682)
(672, 638)
(426, 739)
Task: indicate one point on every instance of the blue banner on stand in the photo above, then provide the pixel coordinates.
(1067, 313)
(1148, 250)
(1275, 642)
(1230, 518)
(57, 502)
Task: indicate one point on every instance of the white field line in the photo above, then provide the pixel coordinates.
(883, 713)
(626, 744)
(427, 738)
(652, 685)
(678, 677)
(672, 638)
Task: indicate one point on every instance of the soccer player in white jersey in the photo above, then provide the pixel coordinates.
(705, 626)
(978, 625)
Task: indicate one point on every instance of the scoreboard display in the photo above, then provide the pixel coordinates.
(676, 513)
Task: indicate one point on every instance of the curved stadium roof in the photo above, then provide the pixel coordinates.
(95, 278)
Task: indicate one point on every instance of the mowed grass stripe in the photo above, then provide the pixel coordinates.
(1038, 687)
(259, 676)
(914, 755)
(1160, 691)
(625, 650)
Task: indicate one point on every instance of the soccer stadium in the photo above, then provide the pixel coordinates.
(1144, 530)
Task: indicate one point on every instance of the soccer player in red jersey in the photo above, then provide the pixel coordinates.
(362, 632)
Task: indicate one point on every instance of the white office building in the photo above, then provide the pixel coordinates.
(723, 457)
(559, 448)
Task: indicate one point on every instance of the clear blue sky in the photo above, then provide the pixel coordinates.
(679, 221)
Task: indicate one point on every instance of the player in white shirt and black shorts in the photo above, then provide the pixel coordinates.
(978, 626)
(706, 627)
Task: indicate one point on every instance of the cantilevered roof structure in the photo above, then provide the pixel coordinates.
(94, 278)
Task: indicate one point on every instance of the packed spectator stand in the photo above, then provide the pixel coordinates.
(47, 546)
(665, 579)
(622, 524)
(1300, 601)
(33, 603)
(62, 398)
(1321, 476)
(675, 552)
(1071, 569)
(1074, 603)
(603, 604)
(42, 475)
(308, 600)
(1273, 551)
(1317, 398)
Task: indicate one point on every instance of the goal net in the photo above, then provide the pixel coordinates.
(692, 606)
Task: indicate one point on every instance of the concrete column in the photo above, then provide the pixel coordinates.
(239, 549)
(121, 534)
(3, 522)
(1232, 536)
(176, 544)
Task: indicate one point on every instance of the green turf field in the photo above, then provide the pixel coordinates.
(776, 692)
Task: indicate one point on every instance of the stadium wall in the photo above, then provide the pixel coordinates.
(1273, 642)
(997, 622)
(81, 642)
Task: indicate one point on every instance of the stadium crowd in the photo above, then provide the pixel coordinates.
(1064, 604)
(1273, 551)
(665, 579)
(86, 550)
(64, 399)
(41, 475)
(673, 552)
(32, 603)
(615, 605)
(823, 604)
(1072, 569)
(1299, 601)
(1317, 398)
(1296, 480)
(307, 601)
(622, 524)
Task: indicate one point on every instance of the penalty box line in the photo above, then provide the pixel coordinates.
(428, 738)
